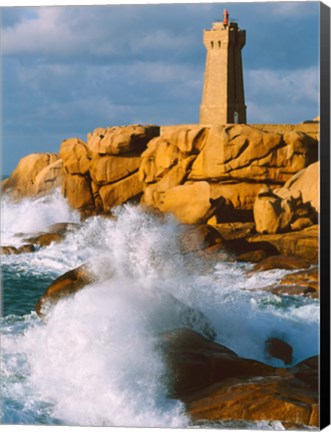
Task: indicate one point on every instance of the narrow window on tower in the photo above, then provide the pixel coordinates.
(219, 44)
(212, 44)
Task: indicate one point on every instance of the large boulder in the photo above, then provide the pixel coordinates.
(272, 214)
(50, 177)
(304, 244)
(244, 152)
(120, 192)
(196, 362)
(65, 285)
(165, 152)
(303, 282)
(190, 204)
(216, 384)
(154, 192)
(21, 182)
(75, 155)
(121, 139)
(159, 157)
(190, 140)
(53, 234)
(194, 238)
(241, 195)
(306, 182)
(110, 169)
(77, 190)
(288, 262)
(260, 398)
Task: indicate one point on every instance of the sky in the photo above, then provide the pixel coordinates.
(69, 70)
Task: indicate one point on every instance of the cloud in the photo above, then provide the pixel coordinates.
(283, 96)
(68, 70)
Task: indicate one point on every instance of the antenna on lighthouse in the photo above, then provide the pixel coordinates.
(226, 17)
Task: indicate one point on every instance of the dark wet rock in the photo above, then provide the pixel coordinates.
(11, 250)
(196, 362)
(304, 278)
(253, 256)
(281, 262)
(292, 290)
(195, 238)
(65, 285)
(53, 234)
(216, 384)
(277, 348)
(235, 230)
(304, 243)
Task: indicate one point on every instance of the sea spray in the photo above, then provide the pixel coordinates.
(32, 215)
(95, 361)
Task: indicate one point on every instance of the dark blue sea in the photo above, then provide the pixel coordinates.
(93, 361)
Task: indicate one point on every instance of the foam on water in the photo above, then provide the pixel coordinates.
(32, 215)
(95, 361)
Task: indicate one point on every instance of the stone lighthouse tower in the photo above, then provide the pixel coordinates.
(223, 99)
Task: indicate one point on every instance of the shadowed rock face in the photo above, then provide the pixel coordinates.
(216, 384)
(279, 349)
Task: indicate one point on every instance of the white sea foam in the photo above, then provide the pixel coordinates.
(95, 361)
(32, 215)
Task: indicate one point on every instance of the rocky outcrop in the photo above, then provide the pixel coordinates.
(125, 139)
(196, 362)
(245, 152)
(77, 190)
(281, 262)
(50, 177)
(216, 384)
(302, 243)
(114, 194)
(54, 233)
(256, 399)
(67, 284)
(282, 210)
(76, 156)
(12, 250)
(21, 182)
(272, 214)
(192, 171)
(110, 169)
(195, 238)
(306, 182)
(190, 204)
(303, 282)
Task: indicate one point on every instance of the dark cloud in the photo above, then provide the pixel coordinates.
(68, 70)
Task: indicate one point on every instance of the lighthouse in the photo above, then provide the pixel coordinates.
(223, 99)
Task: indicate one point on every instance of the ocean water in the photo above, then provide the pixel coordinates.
(94, 361)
